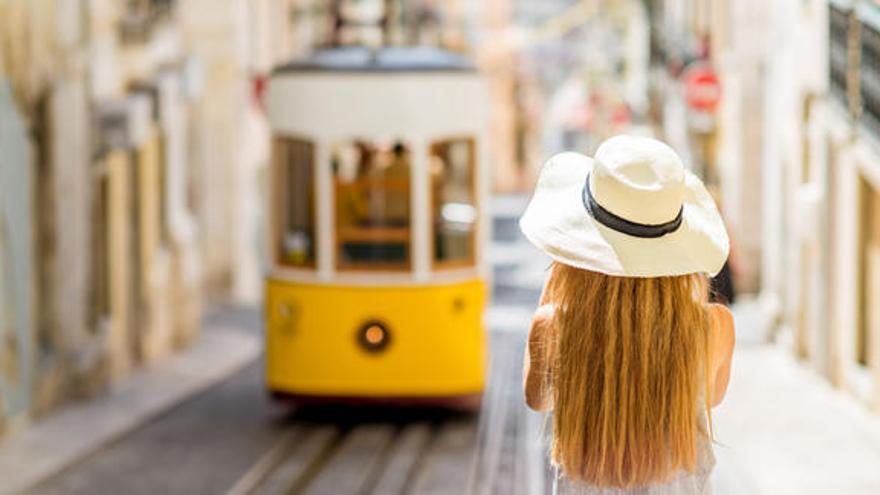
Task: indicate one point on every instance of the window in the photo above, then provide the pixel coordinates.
(295, 168)
(372, 181)
(453, 202)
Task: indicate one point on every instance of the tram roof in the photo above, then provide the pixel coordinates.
(386, 59)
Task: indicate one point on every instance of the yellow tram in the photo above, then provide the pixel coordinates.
(378, 188)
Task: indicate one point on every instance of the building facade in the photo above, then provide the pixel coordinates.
(132, 150)
(795, 160)
(722, 144)
(844, 154)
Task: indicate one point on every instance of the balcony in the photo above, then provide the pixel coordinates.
(869, 67)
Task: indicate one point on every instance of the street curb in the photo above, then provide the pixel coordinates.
(52, 445)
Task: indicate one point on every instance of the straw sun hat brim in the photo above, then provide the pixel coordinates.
(557, 222)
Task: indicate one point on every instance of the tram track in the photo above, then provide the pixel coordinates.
(388, 451)
(420, 456)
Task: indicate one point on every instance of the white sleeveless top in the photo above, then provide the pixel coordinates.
(683, 483)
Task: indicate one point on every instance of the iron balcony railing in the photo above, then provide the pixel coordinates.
(869, 67)
(838, 52)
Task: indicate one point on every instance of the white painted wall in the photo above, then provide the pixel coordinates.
(796, 229)
(229, 140)
(740, 37)
(785, 88)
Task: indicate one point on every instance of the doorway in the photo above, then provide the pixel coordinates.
(867, 338)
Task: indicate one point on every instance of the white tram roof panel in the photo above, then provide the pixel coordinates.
(388, 59)
(362, 93)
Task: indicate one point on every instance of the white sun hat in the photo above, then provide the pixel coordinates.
(633, 211)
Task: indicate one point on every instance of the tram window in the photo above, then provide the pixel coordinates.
(372, 205)
(453, 202)
(295, 162)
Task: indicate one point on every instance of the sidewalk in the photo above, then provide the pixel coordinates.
(788, 431)
(79, 429)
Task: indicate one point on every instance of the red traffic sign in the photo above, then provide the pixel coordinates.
(702, 87)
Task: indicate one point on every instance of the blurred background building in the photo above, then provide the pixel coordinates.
(790, 149)
(131, 155)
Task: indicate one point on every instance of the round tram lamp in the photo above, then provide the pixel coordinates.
(702, 87)
(373, 336)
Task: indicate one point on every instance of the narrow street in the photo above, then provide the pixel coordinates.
(233, 439)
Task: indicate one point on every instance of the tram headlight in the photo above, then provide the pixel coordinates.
(373, 336)
(285, 316)
(285, 311)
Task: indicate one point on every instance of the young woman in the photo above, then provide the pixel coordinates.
(625, 351)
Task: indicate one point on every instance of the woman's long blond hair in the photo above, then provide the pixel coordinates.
(628, 367)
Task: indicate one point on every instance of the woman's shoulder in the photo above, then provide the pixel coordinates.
(544, 312)
(723, 331)
(541, 322)
(722, 317)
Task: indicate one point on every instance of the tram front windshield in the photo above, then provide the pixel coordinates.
(372, 182)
